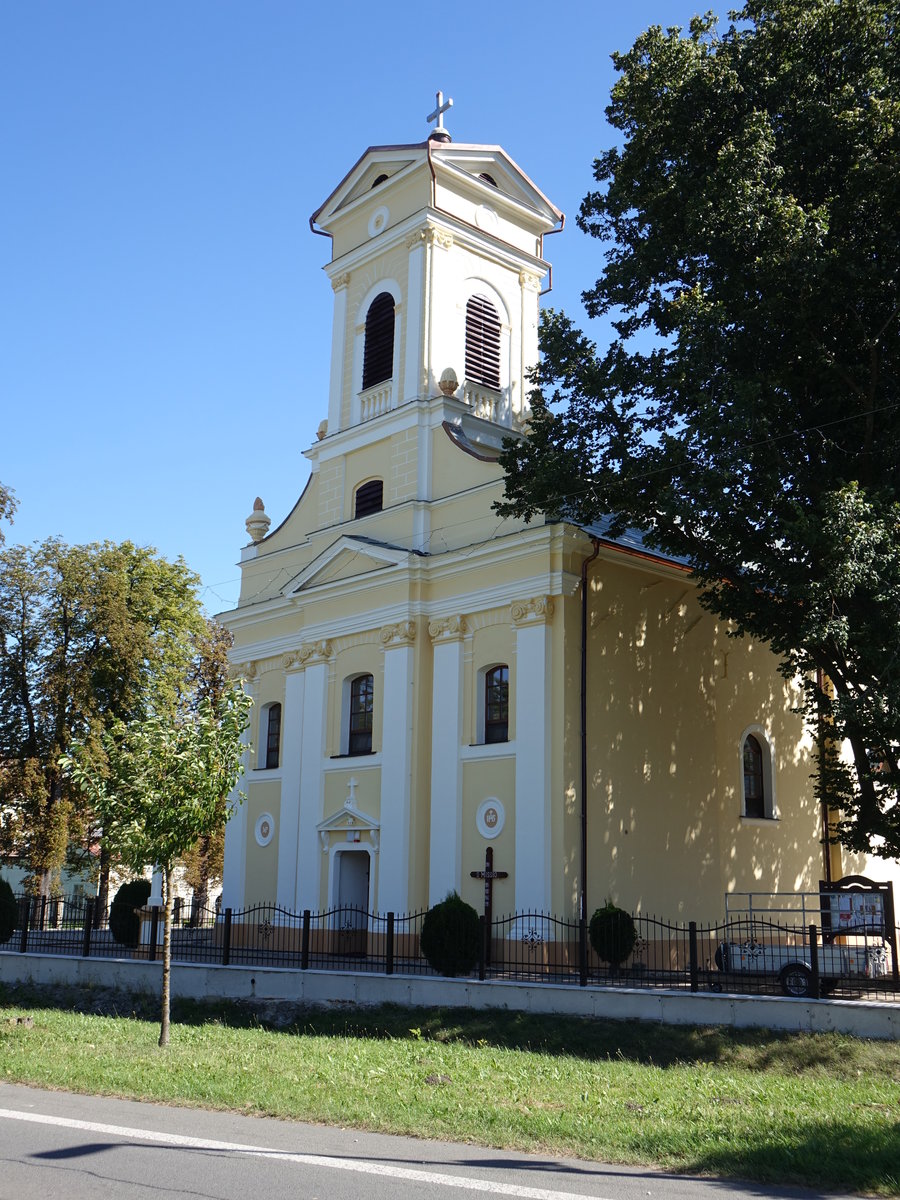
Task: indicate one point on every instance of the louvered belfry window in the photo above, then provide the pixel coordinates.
(482, 342)
(369, 498)
(378, 357)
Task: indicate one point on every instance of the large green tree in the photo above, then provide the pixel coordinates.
(745, 414)
(88, 635)
(204, 862)
(7, 507)
(161, 788)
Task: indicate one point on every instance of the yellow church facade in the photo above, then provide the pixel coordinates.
(416, 662)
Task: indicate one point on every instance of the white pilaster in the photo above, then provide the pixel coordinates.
(289, 823)
(445, 853)
(338, 336)
(312, 788)
(234, 871)
(533, 723)
(396, 768)
(415, 287)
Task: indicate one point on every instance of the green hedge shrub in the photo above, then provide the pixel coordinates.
(124, 923)
(9, 912)
(612, 934)
(449, 938)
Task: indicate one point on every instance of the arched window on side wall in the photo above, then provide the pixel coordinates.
(496, 704)
(362, 707)
(271, 732)
(378, 352)
(758, 786)
(482, 342)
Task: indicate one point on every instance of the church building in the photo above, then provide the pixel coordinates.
(416, 662)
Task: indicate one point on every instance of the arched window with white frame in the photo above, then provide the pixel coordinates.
(486, 331)
(269, 737)
(492, 712)
(378, 348)
(357, 714)
(757, 776)
(482, 342)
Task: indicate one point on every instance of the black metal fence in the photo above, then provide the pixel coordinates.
(750, 954)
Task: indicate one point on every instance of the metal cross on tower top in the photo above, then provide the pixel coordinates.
(441, 107)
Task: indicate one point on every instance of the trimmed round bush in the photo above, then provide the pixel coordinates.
(612, 934)
(9, 912)
(449, 938)
(124, 923)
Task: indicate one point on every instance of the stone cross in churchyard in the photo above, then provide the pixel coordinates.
(438, 114)
(488, 875)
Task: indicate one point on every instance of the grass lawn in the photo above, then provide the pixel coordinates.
(820, 1110)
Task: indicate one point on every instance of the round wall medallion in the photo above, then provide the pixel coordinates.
(265, 829)
(490, 817)
(486, 218)
(378, 220)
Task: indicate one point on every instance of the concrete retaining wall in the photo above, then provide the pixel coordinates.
(862, 1018)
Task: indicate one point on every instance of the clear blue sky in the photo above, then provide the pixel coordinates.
(164, 321)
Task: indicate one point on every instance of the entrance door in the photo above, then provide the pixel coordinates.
(353, 901)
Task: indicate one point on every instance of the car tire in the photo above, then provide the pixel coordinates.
(796, 980)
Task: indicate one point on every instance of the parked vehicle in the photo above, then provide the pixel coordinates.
(768, 936)
(792, 965)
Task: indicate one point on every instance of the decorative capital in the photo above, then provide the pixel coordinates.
(447, 629)
(341, 281)
(530, 281)
(401, 634)
(314, 652)
(537, 611)
(287, 661)
(430, 236)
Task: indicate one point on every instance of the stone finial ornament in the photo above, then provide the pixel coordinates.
(448, 382)
(258, 522)
(322, 430)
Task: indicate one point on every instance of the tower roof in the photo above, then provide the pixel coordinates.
(485, 171)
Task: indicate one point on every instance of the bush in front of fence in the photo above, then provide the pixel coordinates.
(8, 912)
(612, 934)
(449, 938)
(124, 922)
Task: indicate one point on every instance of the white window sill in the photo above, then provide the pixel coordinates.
(352, 762)
(489, 750)
(759, 820)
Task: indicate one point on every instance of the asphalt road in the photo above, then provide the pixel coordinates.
(53, 1144)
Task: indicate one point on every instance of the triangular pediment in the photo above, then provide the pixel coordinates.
(347, 558)
(359, 182)
(350, 822)
(492, 173)
(377, 174)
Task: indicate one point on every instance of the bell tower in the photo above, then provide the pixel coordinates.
(437, 265)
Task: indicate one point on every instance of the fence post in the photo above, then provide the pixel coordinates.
(816, 988)
(482, 945)
(582, 952)
(692, 946)
(154, 932)
(42, 923)
(25, 909)
(304, 942)
(226, 938)
(389, 948)
(88, 926)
